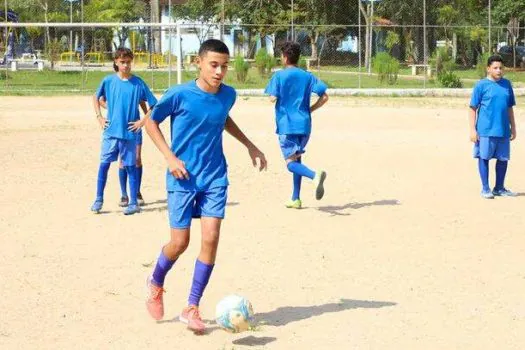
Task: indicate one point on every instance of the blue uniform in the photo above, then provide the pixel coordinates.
(293, 88)
(197, 122)
(492, 100)
(122, 98)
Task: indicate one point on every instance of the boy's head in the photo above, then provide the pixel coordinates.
(291, 51)
(495, 67)
(213, 60)
(122, 60)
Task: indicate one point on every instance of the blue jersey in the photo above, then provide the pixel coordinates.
(492, 99)
(123, 98)
(293, 87)
(197, 122)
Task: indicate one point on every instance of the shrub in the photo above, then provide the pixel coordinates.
(386, 67)
(241, 69)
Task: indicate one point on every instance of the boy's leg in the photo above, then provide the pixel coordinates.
(210, 207)
(102, 178)
(128, 154)
(180, 206)
(138, 164)
(123, 179)
(501, 172)
(503, 156)
(108, 154)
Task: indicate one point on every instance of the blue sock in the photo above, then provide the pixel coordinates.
(162, 268)
(101, 179)
(201, 276)
(483, 165)
(296, 185)
(139, 178)
(123, 178)
(301, 170)
(132, 176)
(501, 171)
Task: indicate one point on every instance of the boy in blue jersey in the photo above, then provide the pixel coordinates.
(290, 89)
(196, 179)
(122, 172)
(492, 126)
(122, 93)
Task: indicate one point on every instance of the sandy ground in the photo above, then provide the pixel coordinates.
(402, 253)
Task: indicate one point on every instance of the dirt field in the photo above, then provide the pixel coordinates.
(402, 253)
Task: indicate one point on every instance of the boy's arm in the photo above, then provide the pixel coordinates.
(472, 123)
(320, 102)
(512, 124)
(176, 166)
(232, 129)
(102, 102)
(273, 99)
(103, 122)
(137, 125)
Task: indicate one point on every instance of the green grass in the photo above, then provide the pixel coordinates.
(51, 82)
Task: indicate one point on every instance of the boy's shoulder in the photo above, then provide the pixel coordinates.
(229, 90)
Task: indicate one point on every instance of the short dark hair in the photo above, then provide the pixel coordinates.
(121, 52)
(292, 51)
(494, 58)
(213, 45)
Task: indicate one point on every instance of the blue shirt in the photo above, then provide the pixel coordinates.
(293, 87)
(492, 99)
(197, 122)
(123, 99)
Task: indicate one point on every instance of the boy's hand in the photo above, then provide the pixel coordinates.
(136, 125)
(474, 136)
(512, 134)
(103, 122)
(178, 168)
(256, 153)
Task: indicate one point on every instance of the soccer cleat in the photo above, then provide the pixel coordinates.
(124, 201)
(487, 194)
(294, 204)
(154, 301)
(191, 317)
(140, 200)
(504, 193)
(319, 181)
(131, 209)
(97, 206)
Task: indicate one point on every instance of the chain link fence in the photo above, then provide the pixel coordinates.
(74, 57)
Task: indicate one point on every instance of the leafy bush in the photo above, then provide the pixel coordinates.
(449, 79)
(386, 67)
(302, 63)
(241, 69)
(481, 66)
(442, 61)
(264, 62)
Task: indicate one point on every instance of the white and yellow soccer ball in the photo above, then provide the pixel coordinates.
(234, 313)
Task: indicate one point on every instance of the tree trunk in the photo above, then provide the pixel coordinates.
(367, 14)
(155, 18)
(314, 36)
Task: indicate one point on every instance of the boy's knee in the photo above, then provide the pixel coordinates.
(210, 239)
(179, 244)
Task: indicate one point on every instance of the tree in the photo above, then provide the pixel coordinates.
(201, 13)
(115, 11)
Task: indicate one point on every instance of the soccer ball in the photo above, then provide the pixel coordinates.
(234, 314)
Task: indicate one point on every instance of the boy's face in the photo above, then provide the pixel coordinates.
(213, 67)
(495, 70)
(124, 64)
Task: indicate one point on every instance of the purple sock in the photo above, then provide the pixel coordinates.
(161, 269)
(201, 276)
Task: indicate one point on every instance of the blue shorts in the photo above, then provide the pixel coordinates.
(293, 144)
(489, 147)
(113, 148)
(139, 137)
(185, 205)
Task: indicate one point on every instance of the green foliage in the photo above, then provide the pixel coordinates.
(442, 61)
(302, 63)
(53, 50)
(264, 62)
(449, 80)
(391, 40)
(481, 65)
(241, 69)
(386, 67)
